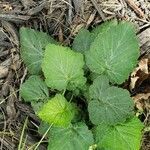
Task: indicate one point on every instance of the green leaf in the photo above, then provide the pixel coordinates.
(82, 41)
(103, 28)
(76, 137)
(110, 105)
(125, 136)
(32, 48)
(114, 52)
(34, 89)
(43, 128)
(38, 105)
(57, 111)
(99, 86)
(62, 68)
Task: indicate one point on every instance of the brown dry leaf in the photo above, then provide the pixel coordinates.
(12, 32)
(77, 28)
(133, 82)
(142, 65)
(6, 86)
(60, 35)
(144, 41)
(90, 19)
(3, 71)
(140, 73)
(141, 101)
(16, 62)
(137, 10)
(11, 111)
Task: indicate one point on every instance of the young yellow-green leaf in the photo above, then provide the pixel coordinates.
(82, 41)
(114, 52)
(57, 111)
(110, 105)
(34, 89)
(75, 137)
(125, 136)
(62, 68)
(32, 48)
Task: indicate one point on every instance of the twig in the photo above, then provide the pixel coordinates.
(137, 10)
(43, 137)
(14, 18)
(99, 10)
(37, 9)
(70, 12)
(27, 3)
(3, 135)
(22, 134)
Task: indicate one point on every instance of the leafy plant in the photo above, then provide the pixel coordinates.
(32, 48)
(125, 135)
(83, 115)
(114, 52)
(73, 137)
(63, 68)
(110, 105)
(82, 41)
(34, 89)
(57, 111)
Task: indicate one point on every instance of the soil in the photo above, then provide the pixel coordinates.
(62, 19)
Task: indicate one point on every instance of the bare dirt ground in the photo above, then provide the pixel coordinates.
(62, 19)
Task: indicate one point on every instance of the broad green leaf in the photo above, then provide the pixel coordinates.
(103, 28)
(34, 89)
(93, 76)
(125, 136)
(57, 111)
(32, 48)
(38, 105)
(76, 137)
(62, 68)
(114, 52)
(82, 41)
(99, 86)
(110, 105)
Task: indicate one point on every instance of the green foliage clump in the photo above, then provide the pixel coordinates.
(62, 68)
(83, 115)
(57, 111)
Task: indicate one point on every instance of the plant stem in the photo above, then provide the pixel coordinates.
(64, 92)
(71, 98)
(43, 136)
(31, 148)
(22, 134)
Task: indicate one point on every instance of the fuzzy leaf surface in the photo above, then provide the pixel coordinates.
(114, 52)
(57, 111)
(82, 41)
(34, 89)
(75, 137)
(103, 28)
(110, 105)
(32, 48)
(125, 136)
(62, 68)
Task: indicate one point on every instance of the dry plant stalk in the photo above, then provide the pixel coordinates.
(137, 10)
